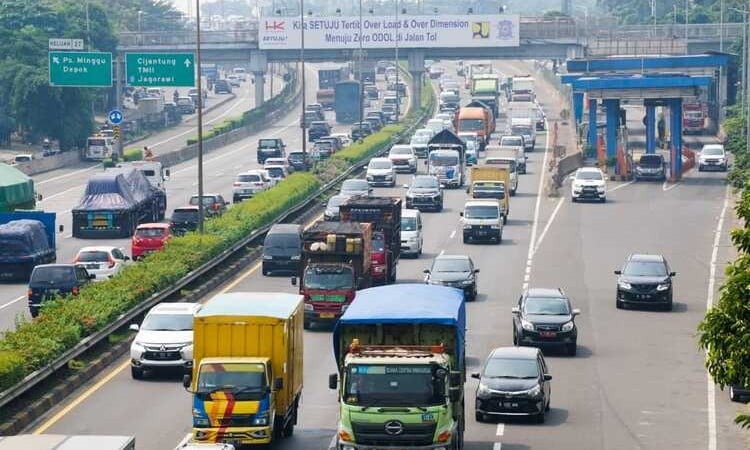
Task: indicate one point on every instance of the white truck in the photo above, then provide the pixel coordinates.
(152, 170)
(523, 89)
(482, 220)
(514, 147)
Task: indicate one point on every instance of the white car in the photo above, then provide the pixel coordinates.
(588, 183)
(411, 232)
(445, 117)
(164, 339)
(427, 132)
(436, 125)
(249, 183)
(344, 138)
(712, 157)
(381, 171)
(102, 262)
(276, 168)
(233, 80)
(403, 158)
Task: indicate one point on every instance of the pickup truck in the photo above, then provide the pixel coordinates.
(482, 220)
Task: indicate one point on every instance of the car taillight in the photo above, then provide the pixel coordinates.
(110, 261)
(29, 293)
(74, 291)
(215, 206)
(236, 184)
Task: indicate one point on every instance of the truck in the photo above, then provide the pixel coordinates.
(270, 148)
(115, 202)
(210, 71)
(151, 110)
(522, 89)
(246, 378)
(510, 163)
(482, 220)
(335, 263)
(513, 147)
(366, 71)
(477, 119)
(66, 442)
(348, 101)
(491, 182)
(99, 147)
(477, 68)
(330, 74)
(155, 174)
(401, 348)
(16, 189)
(485, 89)
(326, 98)
(384, 214)
(446, 159)
(27, 239)
(693, 118)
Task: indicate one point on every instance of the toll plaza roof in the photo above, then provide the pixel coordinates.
(637, 86)
(644, 63)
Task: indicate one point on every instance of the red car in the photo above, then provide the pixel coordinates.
(148, 238)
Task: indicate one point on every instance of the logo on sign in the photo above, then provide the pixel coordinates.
(480, 30)
(505, 29)
(275, 25)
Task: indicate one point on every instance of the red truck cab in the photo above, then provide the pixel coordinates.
(379, 261)
(148, 238)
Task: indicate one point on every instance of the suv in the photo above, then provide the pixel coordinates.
(186, 105)
(650, 167)
(249, 183)
(645, 280)
(712, 156)
(588, 183)
(403, 158)
(317, 130)
(456, 271)
(184, 219)
(54, 280)
(213, 204)
(282, 249)
(381, 171)
(361, 130)
(411, 232)
(374, 122)
(222, 87)
(271, 148)
(545, 317)
(164, 339)
(425, 193)
(297, 160)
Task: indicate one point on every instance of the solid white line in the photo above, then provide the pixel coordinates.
(497, 446)
(621, 186)
(711, 391)
(12, 301)
(59, 177)
(453, 234)
(500, 429)
(665, 187)
(185, 440)
(549, 223)
(50, 197)
(332, 445)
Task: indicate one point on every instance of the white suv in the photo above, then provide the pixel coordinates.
(164, 339)
(588, 183)
(712, 156)
(249, 183)
(381, 171)
(411, 232)
(403, 158)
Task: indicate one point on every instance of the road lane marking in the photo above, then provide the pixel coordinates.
(12, 302)
(185, 440)
(500, 429)
(622, 186)
(60, 177)
(497, 446)
(49, 197)
(666, 187)
(711, 391)
(453, 234)
(549, 223)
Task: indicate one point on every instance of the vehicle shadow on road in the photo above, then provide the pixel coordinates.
(554, 418)
(518, 222)
(524, 194)
(700, 179)
(559, 352)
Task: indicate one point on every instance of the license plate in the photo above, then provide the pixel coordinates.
(547, 333)
(510, 405)
(327, 315)
(644, 296)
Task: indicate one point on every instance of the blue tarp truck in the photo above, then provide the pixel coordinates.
(400, 352)
(115, 203)
(27, 239)
(347, 102)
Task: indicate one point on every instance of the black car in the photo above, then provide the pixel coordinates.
(425, 193)
(375, 123)
(317, 130)
(361, 130)
(545, 317)
(737, 393)
(297, 160)
(454, 271)
(54, 280)
(372, 91)
(222, 87)
(282, 249)
(651, 167)
(184, 219)
(645, 280)
(514, 381)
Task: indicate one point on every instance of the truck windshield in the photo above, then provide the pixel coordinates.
(329, 278)
(486, 188)
(512, 142)
(522, 130)
(481, 212)
(471, 125)
(246, 381)
(393, 385)
(443, 160)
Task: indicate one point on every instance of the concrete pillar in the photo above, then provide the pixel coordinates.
(676, 148)
(650, 129)
(258, 78)
(578, 107)
(592, 123)
(613, 121)
(258, 66)
(416, 69)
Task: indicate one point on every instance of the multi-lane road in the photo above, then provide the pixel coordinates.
(637, 382)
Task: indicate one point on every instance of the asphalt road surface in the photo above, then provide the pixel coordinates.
(637, 383)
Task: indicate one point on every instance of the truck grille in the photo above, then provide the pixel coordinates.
(381, 434)
(236, 420)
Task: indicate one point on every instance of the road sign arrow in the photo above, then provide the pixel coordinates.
(187, 62)
(56, 60)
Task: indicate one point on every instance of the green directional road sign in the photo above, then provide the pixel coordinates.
(82, 69)
(160, 69)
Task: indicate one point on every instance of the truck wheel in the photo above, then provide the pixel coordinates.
(505, 220)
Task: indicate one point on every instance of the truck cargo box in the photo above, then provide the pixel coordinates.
(24, 244)
(16, 189)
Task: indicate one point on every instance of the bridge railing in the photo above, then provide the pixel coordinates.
(695, 32)
(135, 39)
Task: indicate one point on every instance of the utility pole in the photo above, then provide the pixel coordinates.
(361, 82)
(201, 214)
(687, 15)
(398, 68)
(304, 99)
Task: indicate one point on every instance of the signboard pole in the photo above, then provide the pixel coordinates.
(118, 97)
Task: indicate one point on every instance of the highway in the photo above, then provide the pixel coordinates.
(637, 383)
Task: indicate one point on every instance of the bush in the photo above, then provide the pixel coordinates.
(107, 163)
(133, 154)
(11, 369)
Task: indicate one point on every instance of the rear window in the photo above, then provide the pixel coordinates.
(378, 242)
(207, 200)
(267, 143)
(650, 161)
(276, 172)
(93, 256)
(185, 216)
(51, 275)
(248, 178)
(150, 232)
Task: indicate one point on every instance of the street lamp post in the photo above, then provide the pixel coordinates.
(201, 214)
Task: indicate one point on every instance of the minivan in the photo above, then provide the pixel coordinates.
(52, 280)
(411, 232)
(282, 249)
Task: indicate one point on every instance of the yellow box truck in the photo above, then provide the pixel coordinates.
(491, 182)
(247, 368)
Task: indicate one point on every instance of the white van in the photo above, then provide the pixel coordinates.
(411, 232)
(482, 221)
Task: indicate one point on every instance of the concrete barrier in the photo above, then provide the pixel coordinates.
(48, 163)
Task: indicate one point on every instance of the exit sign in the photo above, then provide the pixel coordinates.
(80, 69)
(160, 69)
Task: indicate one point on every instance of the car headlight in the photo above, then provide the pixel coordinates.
(624, 284)
(495, 227)
(638, 169)
(137, 346)
(601, 188)
(482, 390)
(267, 257)
(187, 352)
(466, 282)
(576, 187)
(568, 326)
(535, 391)
(467, 226)
(261, 419)
(295, 258)
(663, 287)
(526, 325)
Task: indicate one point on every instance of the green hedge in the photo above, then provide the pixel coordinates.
(132, 154)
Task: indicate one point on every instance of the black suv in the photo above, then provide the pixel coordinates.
(54, 280)
(222, 87)
(651, 167)
(425, 193)
(361, 130)
(317, 130)
(645, 280)
(184, 219)
(545, 317)
(375, 122)
(514, 381)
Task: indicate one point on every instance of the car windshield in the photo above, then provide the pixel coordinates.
(393, 385)
(548, 306)
(408, 223)
(512, 142)
(185, 216)
(425, 182)
(354, 185)
(378, 242)
(380, 164)
(330, 278)
(443, 160)
(522, 130)
(245, 381)
(93, 256)
(712, 151)
(282, 241)
(299, 157)
(168, 322)
(481, 212)
(650, 161)
(251, 178)
(511, 368)
(420, 140)
(589, 175)
(645, 269)
(275, 172)
(51, 275)
(400, 151)
(208, 200)
(149, 232)
(451, 265)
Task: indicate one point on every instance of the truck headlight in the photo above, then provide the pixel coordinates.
(568, 326)
(261, 419)
(200, 419)
(526, 325)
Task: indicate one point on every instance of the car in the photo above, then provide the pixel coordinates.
(335, 142)
(737, 393)
(482, 220)
(275, 169)
(193, 94)
(54, 280)
(712, 157)
(371, 91)
(426, 132)
(185, 105)
(322, 150)
(164, 340)
(390, 113)
(249, 183)
(205, 446)
(541, 118)
(376, 120)
(184, 219)
(213, 204)
(588, 183)
(514, 381)
(391, 100)
(469, 136)
(241, 73)
(455, 271)
(311, 116)
(297, 160)
(318, 129)
(149, 238)
(282, 249)
(403, 158)
(317, 107)
(436, 125)
(645, 280)
(420, 145)
(381, 171)
(545, 317)
(355, 186)
(23, 158)
(424, 193)
(233, 80)
(222, 87)
(412, 239)
(343, 138)
(101, 262)
(331, 212)
(650, 167)
(444, 116)
(361, 130)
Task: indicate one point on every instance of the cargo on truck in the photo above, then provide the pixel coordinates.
(491, 182)
(522, 121)
(16, 189)
(446, 159)
(694, 115)
(115, 203)
(384, 214)
(486, 91)
(27, 239)
(400, 359)
(330, 74)
(512, 147)
(336, 258)
(523, 89)
(327, 98)
(247, 368)
(475, 120)
(156, 175)
(347, 101)
(66, 442)
(508, 162)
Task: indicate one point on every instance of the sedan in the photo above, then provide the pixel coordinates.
(514, 381)
(355, 186)
(454, 271)
(545, 317)
(332, 207)
(101, 262)
(645, 280)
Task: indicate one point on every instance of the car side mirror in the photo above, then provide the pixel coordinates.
(515, 310)
(167, 174)
(61, 228)
(333, 381)
(476, 270)
(547, 377)
(671, 274)
(618, 272)
(134, 327)
(126, 258)
(476, 375)
(426, 271)
(461, 213)
(294, 281)
(186, 380)
(576, 312)
(278, 384)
